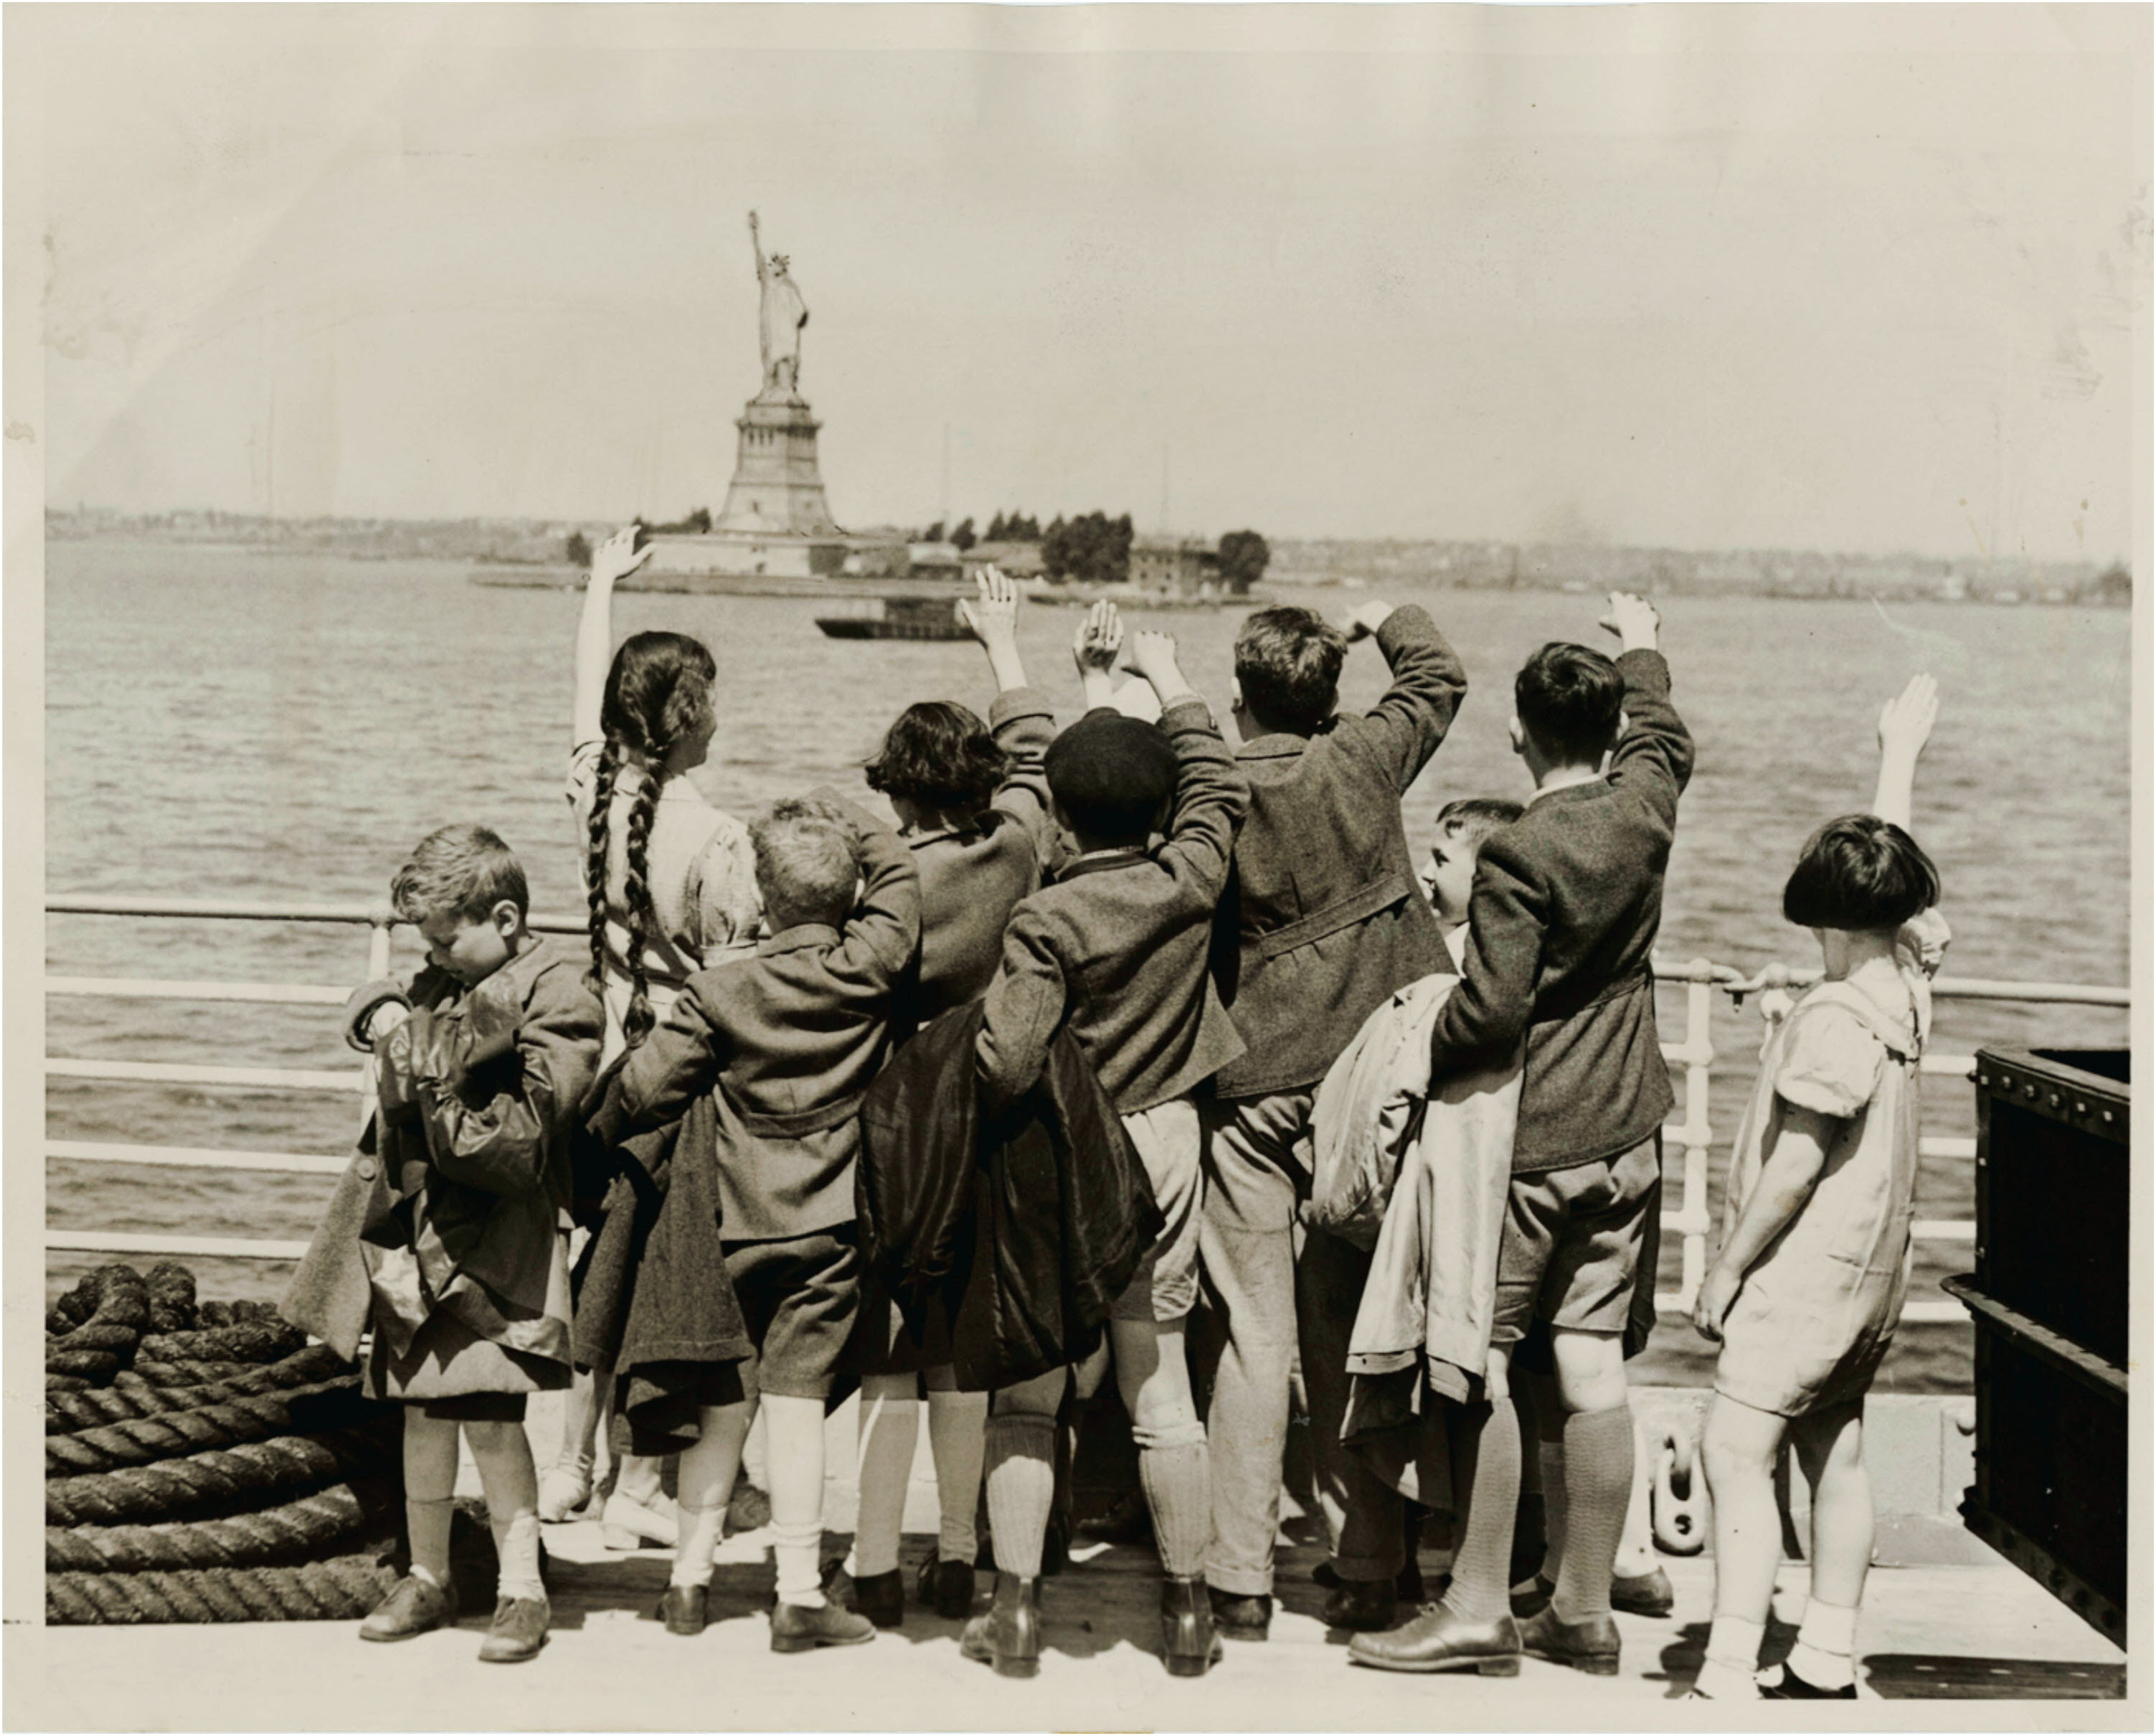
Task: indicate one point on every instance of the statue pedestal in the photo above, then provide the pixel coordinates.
(778, 488)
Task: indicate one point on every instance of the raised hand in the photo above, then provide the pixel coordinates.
(1361, 622)
(1635, 621)
(1153, 655)
(618, 557)
(1099, 639)
(991, 615)
(1906, 721)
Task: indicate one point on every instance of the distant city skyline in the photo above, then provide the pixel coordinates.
(1792, 278)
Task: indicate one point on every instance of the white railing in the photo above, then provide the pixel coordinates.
(1694, 1136)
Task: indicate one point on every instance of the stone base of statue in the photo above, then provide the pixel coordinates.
(775, 522)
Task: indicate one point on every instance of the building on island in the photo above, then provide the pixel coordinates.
(1179, 566)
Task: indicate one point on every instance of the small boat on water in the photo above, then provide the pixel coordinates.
(927, 618)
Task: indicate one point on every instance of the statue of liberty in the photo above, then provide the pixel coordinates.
(782, 314)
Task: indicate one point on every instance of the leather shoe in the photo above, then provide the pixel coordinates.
(796, 1627)
(946, 1587)
(880, 1597)
(1591, 1645)
(685, 1609)
(1236, 1616)
(1408, 1587)
(1189, 1645)
(1532, 1596)
(1008, 1636)
(414, 1606)
(1366, 1605)
(519, 1630)
(1648, 1593)
(1439, 1639)
(1784, 1683)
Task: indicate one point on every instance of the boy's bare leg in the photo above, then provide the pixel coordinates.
(430, 1487)
(1830, 1451)
(889, 1426)
(957, 1422)
(708, 1469)
(1738, 1451)
(507, 1473)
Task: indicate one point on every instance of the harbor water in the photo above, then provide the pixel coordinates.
(233, 725)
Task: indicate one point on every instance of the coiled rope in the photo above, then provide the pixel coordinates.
(185, 1373)
(177, 1433)
(68, 1412)
(177, 1487)
(244, 1341)
(315, 1526)
(338, 1589)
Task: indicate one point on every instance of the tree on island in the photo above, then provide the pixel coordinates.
(1095, 549)
(1244, 557)
(696, 524)
(578, 549)
(963, 538)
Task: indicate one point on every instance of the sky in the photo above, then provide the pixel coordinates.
(1834, 277)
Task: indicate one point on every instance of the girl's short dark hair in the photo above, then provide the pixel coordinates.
(1860, 871)
(939, 754)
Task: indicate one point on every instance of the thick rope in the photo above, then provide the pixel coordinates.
(313, 1527)
(67, 1412)
(244, 1341)
(105, 1341)
(186, 1374)
(174, 1488)
(334, 1590)
(90, 1365)
(65, 1383)
(171, 1289)
(175, 1433)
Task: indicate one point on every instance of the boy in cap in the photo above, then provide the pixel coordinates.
(1115, 947)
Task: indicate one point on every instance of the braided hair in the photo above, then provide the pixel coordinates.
(658, 692)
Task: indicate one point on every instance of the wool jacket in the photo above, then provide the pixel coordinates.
(971, 878)
(1320, 920)
(452, 1205)
(784, 1041)
(1117, 946)
(1567, 901)
(1027, 1221)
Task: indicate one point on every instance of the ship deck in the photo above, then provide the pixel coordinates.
(1976, 1631)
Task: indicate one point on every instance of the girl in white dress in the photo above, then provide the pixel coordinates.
(1815, 1261)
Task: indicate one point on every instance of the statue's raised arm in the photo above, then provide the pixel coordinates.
(780, 318)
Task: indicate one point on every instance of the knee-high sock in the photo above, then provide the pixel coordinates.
(1481, 1566)
(707, 1473)
(890, 1422)
(1021, 1478)
(1175, 1469)
(1550, 1456)
(430, 1482)
(794, 1430)
(957, 1422)
(1598, 1488)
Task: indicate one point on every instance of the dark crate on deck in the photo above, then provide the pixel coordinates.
(2049, 1296)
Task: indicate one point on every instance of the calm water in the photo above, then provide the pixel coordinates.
(244, 726)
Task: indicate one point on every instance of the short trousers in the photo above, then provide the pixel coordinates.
(1168, 1141)
(885, 1342)
(474, 1408)
(1573, 1243)
(798, 1298)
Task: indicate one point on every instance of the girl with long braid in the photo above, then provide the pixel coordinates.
(670, 881)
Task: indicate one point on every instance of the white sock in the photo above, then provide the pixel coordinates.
(695, 1541)
(957, 1436)
(1732, 1659)
(516, 1548)
(796, 1549)
(889, 1426)
(1825, 1654)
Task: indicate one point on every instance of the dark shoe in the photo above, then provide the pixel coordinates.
(1591, 1645)
(795, 1627)
(1532, 1596)
(1366, 1605)
(946, 1587)
(1782, 1683)
(882, 1597)
(1439, 1639)
(1648, 1593)
(1238, 1617)
(684, 1610)
(414, 1606)
(1188, 1647)
(1408, 1587)
(1007, 1637)
(519, 1630)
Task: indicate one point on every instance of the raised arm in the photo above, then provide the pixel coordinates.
(679, 1062)
(879, 938)
(1099, 638)
(1904, 725)
(1654, 755)
(614, 558)
(1404, 728)
(1025, 1007)
(992, 617)
(1487, 1015)
(1211, 796)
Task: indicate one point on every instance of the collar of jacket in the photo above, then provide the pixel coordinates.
(1587, 790)
(1282, 747)
(1129, 856)
(794, 939)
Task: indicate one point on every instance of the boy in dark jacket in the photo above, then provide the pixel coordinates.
(1566, 903)
(457, 1202)
(785, 1042)
(1115, 948)
(1321, 923)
